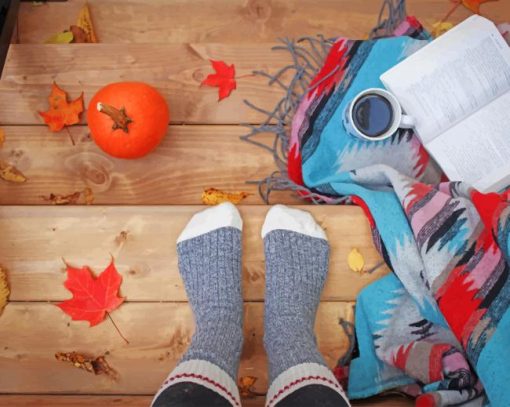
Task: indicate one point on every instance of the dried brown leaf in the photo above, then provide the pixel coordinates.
(88, 195)
(2, 137)
(70, 199)
(97, 365)
(4, 290)
(213, 196)
(10, 173)
(57, 199)
(84, 22)
(245, 385)
(79, 34)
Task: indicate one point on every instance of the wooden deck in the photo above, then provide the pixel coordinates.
(167, 43)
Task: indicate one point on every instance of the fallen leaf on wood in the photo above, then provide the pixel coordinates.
(4, 290)
(10, 173)
(245, 385)
(356, 261)
(97, 365)
(79, 35)
(84, 22)
(62, 113)
(93, 297)
(474, 5)
(81, 32)
(88, 195)
(471, 5)
(57, 199)
(65, 37)
(440, 27)
(70, 199)
(213, 196)
(2, 137)
(224, 78)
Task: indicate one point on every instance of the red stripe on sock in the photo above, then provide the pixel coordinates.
(289, 387)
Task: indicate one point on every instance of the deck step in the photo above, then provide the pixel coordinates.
(144, 401)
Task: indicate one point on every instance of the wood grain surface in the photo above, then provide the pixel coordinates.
(164, 21)
(158, 334)
(167, 43)
(190, 159)
(176, 70)
(146, 254)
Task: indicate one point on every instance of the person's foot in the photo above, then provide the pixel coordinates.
(209, 251)
(297, 256)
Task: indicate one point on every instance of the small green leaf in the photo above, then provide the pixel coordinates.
(65, 37)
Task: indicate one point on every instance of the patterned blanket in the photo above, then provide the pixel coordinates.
(439, 325)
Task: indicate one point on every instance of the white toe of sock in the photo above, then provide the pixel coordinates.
(219, 216)
(296, 220)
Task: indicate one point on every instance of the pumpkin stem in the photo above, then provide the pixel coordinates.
(119, 116)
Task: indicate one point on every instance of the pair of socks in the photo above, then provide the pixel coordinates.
(297, 255)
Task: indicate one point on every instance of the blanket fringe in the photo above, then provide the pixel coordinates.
(307, 55)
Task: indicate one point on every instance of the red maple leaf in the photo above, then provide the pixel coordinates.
(61, 112)
(93, 297)
(472, 5)
(224, 78)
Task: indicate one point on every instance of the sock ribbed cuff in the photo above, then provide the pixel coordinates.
(297, 255)
(205, 374)
(300, 376)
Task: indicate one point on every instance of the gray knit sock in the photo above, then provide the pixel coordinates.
(209, 251)
(210, 266)
(297, 256)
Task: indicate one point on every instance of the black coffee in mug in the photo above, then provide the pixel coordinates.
(375, 114)
(372, 114)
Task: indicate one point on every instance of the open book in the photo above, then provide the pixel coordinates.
(457, 88)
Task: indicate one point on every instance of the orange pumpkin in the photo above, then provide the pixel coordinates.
(128, 119)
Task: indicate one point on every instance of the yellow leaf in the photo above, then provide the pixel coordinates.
(2, 137)
(11, 174)
(440, 27)
(356, 261)
(4, 290)
(65, 37)
(246, 384)
(213, 196)
(84, 21)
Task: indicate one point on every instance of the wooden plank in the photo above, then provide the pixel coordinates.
(147, 257)
(159, 333)
(190, 159)
(177, 70)
(144, 401)
(164, 21)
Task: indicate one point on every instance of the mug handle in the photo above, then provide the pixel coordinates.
(406, 122)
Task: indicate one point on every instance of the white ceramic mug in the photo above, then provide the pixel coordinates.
(390, 115)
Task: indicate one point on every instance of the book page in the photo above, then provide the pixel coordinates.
(452, 77)
(477, 149)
